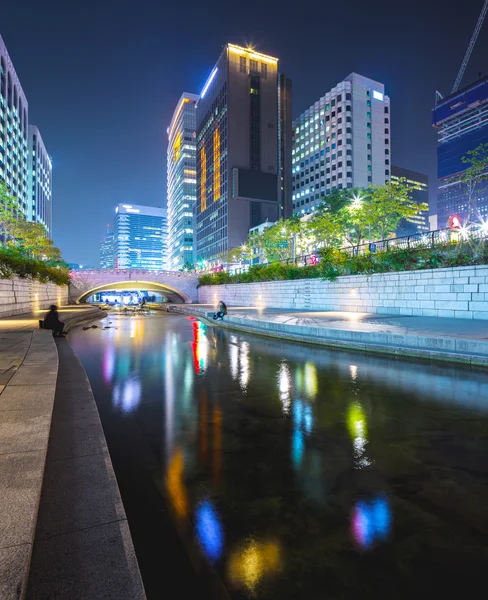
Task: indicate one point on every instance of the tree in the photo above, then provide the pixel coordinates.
(476, 172)
(9, 210)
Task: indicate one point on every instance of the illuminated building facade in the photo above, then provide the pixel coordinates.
(285, 146)
(237, 151)
(342, 141)
(107, 259)
(140, 237)
(418, 185)
(181, 164)
(40, 181)
(13, 132)
(461, 120)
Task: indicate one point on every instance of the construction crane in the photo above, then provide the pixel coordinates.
(472, 43)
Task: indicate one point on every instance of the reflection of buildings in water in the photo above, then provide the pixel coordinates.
(137, 326)
(169, 396)
(126, 395)
(234, 358)
(302, 426)
(353, 370)
(175, 484)
(199, 347)
(357, 426)
(108, 363)
(245, 367)
(311, 380)
(284, 386)
(203, 425)
(371, 522)
(217, 442)
(209, 530)
(253, 562)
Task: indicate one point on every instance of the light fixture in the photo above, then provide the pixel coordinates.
(209, 81)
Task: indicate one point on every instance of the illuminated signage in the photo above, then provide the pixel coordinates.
(378, 95)
(454, 222)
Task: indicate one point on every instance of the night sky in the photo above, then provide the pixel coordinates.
(102, 78)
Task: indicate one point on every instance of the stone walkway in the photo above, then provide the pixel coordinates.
(458, 340)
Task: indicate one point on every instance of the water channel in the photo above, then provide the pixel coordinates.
(254, 468)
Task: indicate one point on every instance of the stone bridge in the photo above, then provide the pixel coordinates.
(176, 286)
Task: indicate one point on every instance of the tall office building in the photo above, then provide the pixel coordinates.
(182, 181)
(139, 237)
(461, 120)
(341, 141)
(285, 146)
(418, 185)
(40, 181)
(13, 132)
(107, 258)
(237, 150)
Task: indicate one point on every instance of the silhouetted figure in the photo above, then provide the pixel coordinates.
(51, 321)
(220, 314)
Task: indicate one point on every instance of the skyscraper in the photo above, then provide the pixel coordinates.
(237, 150)
(40, 181)
(139, 237)
(285, 146)
(418, 185)
(13, 132)
(341, 141)
(461, 120)
(107, 258)
(182, 175)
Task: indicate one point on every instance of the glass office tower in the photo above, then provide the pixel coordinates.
(139, 237)
(40, 181)
(182, 176)
(237, 151)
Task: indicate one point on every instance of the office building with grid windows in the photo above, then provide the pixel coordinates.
(182, 181)
(107, 258)
(418, 186)
(237, 151)
(14, 134)
(140, 237)
(40, 181)
(342, 141)
(461, 121)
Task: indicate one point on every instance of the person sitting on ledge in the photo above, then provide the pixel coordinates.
(220, 314)
(51, 321)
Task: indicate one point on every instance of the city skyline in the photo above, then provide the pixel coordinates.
(82, 124)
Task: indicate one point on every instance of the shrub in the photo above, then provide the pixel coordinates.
(14, 262)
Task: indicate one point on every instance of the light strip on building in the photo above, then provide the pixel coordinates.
(209, 81)
(216, 157)
(177, 114)
(203, 183)
(252, 53)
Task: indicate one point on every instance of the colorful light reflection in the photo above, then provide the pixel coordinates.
(249, 565)
(371, 522)
(209, 530)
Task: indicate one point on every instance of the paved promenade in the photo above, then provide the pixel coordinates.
(28, 385)
(457, 340)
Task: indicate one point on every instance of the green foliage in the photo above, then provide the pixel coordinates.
(476, 172)
(334, 263)
(14, 262)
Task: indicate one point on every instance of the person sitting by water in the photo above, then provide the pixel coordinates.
(51, 321)
(220, 314)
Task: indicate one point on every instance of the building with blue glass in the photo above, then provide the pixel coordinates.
(140, 237)
(461, 121)
(182, 181)
(107, 259)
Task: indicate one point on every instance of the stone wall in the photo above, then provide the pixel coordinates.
(460, 292)
(19, 296)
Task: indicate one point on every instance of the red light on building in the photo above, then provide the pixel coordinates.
(314, 259)
(454, 222)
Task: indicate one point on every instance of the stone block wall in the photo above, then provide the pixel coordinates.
(19, 296)
(460, 292)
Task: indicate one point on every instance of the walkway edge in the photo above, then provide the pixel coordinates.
(453, 350)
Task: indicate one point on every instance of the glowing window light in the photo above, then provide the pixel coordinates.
(177, 147)
(209, 531)
(203, 184)
(216, 158)
(377, 95)
(209, 81)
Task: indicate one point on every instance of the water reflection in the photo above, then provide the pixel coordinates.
(253, 562)
(269, 451)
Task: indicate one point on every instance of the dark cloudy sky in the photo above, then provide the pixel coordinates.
(102, 78)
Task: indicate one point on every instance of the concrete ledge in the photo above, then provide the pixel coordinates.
(26, 405)
(445, 349)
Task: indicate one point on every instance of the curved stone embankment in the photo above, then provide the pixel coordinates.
(28, 388)
(431, 341)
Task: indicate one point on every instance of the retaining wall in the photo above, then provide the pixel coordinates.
(460, 292)
(19, 296)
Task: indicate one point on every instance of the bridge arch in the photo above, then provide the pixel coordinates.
(177, 287)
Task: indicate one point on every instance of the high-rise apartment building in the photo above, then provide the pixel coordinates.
(107, 257)
(341, 141)
(285, 146)
(13, 132)
(418, 185)
(140, 237)
(40, 181)
(461, 120)
(238, 164)
(182, 181)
